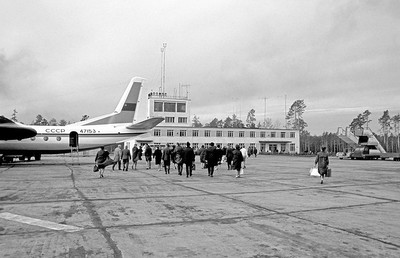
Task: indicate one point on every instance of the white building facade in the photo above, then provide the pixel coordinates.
(176, 128)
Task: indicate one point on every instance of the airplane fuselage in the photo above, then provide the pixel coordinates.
(57, 139)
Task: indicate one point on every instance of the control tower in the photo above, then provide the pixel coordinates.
(174, 109)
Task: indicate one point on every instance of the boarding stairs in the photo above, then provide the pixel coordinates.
(363, 136)
(75, 155)
(372, 140)
(347, 136)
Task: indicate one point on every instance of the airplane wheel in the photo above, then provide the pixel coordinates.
(38, 156)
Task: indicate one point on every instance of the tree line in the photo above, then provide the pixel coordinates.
(389, 133)
(40, 120)
(389, 136)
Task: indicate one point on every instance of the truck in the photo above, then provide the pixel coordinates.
(366, 152)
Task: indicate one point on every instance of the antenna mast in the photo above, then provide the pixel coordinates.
(163, 50)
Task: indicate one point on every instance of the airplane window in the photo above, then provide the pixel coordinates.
(46, 138)
(33, 138)
(58, 138)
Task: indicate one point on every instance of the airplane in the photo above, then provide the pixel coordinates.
(32, 141)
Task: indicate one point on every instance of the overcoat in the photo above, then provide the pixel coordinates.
(237, 159)
(323, 161)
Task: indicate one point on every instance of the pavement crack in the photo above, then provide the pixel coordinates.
(95, 218)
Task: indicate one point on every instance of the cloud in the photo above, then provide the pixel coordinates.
(338, 56)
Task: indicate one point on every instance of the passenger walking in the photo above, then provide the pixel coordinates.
(244, 153)
(135, 156)
(211, 159)
(179, 158)
(220, 153)
(255, 152)
(117, 157)
(188, 159)
(202, 153)
(323, 161)
(173, 155)
(166, 158)
(140, 152)
(229, 157)
(249, 151)
(147, 154)
(157, 157)
(100, 159)
(126, 156)
(237, 160)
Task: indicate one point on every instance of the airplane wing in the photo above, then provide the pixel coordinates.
(146, 124)
(10, 130)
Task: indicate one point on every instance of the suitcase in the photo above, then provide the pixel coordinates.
(329, 173)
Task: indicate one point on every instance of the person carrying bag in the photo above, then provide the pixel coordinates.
(323, 161)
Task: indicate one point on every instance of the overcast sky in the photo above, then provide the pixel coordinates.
(65, 59)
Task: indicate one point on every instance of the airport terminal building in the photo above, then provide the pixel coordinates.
(177, 128)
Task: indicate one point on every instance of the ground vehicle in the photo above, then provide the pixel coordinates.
(366, 152)
(343, 155)
(393, 156)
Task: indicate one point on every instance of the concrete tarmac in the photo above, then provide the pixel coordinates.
(274, 210)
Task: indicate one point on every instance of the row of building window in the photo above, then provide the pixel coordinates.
(160, 106)
(181, 120)
(271, 147)
(219, 133)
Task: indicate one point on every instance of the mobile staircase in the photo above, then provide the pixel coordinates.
(364, 143)
(348, 137)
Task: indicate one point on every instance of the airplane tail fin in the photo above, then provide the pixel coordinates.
(146, 124)
(126, 108)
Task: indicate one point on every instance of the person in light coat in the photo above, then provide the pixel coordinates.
(243, 150)
(126, 156)
(117, 157)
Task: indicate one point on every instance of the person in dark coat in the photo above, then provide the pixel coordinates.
(237, 159)
(211, 159)
(220, 153)
(202, 153)
(229, 157)
(178, 157)
(135, 156)
(157, 157)
(101, 157)
(323, 161)
(166, 158)
(148, 152)
(188, 159)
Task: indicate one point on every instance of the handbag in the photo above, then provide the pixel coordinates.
(108, 162)
(329, 173)
(95, 168)
(314, 171)
(193, 166)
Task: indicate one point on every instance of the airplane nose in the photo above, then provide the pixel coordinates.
(16, 133)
